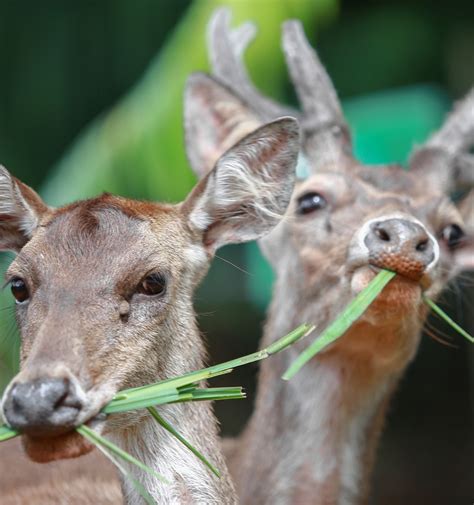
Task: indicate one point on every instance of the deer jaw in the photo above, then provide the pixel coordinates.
(104, 302)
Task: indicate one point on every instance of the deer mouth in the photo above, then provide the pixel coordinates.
(46, 411)
(401, 293)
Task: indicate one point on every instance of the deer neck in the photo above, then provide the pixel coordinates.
(189, 481)
(314, 437)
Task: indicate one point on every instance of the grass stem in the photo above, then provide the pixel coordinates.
(437, 310)
(343, 322)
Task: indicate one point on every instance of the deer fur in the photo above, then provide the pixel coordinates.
(87, 322)
(313, 439)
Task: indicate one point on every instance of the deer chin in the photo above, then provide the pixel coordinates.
(401, 293)
(65, 446)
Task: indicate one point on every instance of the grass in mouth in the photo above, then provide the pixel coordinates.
(184, 388)
(343, 322)
(352, 312)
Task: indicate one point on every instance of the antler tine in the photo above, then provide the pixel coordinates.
(226, 47)
(447, 151)
(323, 115)
(313, 85)
(241, 37)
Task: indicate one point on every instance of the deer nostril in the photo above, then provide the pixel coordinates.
(422, 245)
(382, 234)
(61, 400)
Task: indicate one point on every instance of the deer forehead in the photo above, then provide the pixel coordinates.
(104, 237)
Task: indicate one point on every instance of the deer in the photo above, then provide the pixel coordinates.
(103, 290)
(313, 440)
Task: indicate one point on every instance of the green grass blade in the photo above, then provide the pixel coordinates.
(143, 401)
(149, 399)
(217, 394)
(343, 322)
(280, 344)
(95, 438)
(221, 368)
(6, 433)
(432, 305)
(284, 342)
(168, 427)
(174, 382)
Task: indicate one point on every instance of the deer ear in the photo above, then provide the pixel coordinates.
(248, 191)
(20, 211)
(464, 254)
(214, 120)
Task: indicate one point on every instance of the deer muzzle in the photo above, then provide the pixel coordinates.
(43, 407)
(402, 245)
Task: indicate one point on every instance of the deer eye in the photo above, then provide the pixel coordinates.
(151, 285)
(310, 202)
(19, 290)
(452, 235)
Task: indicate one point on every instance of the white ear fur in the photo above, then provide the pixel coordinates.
(248, 191)
(20, 212)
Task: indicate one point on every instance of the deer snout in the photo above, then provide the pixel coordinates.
(401, 245)
(43, 407)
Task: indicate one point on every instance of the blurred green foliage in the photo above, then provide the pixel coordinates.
(137, 148)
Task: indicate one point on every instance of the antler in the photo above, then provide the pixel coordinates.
(446, 154)
(323, 121)
(226, 47)
(326, 134)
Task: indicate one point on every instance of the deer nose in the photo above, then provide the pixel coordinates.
(42, 407)
(400, 245)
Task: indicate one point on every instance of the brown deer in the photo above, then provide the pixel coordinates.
(313, 439)
(103, 291)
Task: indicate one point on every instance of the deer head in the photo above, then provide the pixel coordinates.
(346, 220)
(103, 287)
